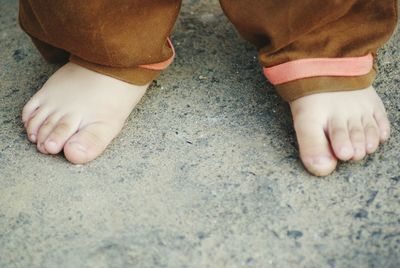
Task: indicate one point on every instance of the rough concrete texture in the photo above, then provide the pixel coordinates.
(205, 174)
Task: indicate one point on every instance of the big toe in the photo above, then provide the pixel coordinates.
(315, 151)
(89, 142)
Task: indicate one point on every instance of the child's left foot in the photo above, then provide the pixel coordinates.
(338, 125)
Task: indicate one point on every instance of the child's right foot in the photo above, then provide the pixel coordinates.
(79, 111)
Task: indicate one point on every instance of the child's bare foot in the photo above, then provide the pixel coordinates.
(79, 111)
(338, 125)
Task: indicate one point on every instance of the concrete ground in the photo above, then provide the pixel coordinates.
(205, 174)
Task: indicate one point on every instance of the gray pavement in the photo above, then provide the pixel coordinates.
(205, 173)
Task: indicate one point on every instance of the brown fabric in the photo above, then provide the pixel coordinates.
(133, 75)
(50, 53)
(115, 37)
(307, 86)
(138, 76)
(286, 30)
(110, 37)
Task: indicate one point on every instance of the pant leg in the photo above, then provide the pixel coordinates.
(315, 46)
(50, 53)
(124, 39)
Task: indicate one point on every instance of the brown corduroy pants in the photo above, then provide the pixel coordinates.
(305, 47)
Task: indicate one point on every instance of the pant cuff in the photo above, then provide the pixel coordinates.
(299, 88)
(132, 75)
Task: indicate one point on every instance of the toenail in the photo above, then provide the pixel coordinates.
(32, 137)
(78, 146)
(322, 160)
(51, 143)
(370, 146)
(344, 151)
(385, 135)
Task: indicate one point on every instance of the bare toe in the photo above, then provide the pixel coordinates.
(89, 142)
(44, 131)
(340, 139)
(34, 123)
(315, 151)
(371, 134)
(383, 124)
(357, 138)
(64, 129)
(29, 109)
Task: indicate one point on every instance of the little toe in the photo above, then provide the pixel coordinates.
(383, 125)
(34, 123)
(372, 136)
(315, 151)
(340, 139)
(29, 109)
(89, 142)
(64, 129)
(357, 138)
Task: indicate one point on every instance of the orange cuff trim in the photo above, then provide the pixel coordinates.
(306, 68)
(164, 64)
